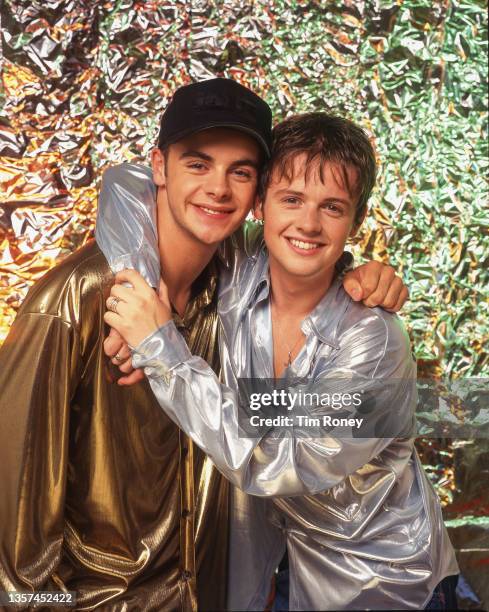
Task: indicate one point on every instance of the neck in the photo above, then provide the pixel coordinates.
(297, 297)
(182, 257)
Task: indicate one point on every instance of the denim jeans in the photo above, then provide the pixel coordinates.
(443, 598)
(281, 603)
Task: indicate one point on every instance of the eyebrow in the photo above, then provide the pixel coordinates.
(291, 191)
(199, 154)
(208, 158)
(246, 162)
(301, 193)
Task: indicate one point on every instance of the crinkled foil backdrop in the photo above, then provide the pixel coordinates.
(83, 85)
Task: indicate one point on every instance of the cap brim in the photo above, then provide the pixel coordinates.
(224, 124)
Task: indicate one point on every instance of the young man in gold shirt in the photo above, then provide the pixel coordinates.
(101, 493)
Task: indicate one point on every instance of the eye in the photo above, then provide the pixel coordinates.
(196, 165)
(242, 173)
(292, 200)
(332, 208)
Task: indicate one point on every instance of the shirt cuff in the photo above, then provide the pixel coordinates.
(161, 351)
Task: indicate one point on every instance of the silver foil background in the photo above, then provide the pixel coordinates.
(83, 84)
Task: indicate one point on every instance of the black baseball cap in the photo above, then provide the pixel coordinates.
(216, 103)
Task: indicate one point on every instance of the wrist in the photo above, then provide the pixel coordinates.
(162, 318)
(160, 351)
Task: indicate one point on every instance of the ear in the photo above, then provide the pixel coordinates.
(258, 209)
(158, 165)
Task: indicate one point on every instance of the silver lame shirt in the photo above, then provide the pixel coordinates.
(361, 523)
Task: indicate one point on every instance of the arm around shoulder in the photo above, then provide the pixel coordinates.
(126, 229)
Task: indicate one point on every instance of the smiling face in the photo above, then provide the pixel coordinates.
(307, 220)
(207, 184)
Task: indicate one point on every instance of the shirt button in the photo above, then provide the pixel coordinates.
(186, 575)
(185, 513)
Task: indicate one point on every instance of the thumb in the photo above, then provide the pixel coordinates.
(352, 286)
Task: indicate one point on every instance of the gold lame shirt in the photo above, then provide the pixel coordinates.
(101, 493)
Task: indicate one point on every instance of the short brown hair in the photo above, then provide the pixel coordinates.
(323, 138)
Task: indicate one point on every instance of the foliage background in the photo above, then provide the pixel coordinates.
(83, 84)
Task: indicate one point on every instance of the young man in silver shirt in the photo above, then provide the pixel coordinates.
(356, 513)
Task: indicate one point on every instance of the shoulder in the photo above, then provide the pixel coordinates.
(247, 241)
(126, 229)
(82, 277)
(127, 201)
(132, 176)
(373, 334)
(250, 238)
(242, 257)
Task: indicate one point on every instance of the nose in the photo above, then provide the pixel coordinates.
(217, 186)
(308, 221)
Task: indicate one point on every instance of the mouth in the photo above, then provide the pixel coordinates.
(213, 212)
(305, 247)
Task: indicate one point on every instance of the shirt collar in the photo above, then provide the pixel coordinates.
(325, 318)
(224, 252)
(328, 314)
(205, 286)
(204, 292)
(261, 290)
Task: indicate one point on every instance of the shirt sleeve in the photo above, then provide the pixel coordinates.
(37, 375)
(126, 230)
(373, 360)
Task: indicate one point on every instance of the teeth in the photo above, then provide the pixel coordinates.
(212, 212)
(307, 246)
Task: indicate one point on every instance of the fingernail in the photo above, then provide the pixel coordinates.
(355, 294)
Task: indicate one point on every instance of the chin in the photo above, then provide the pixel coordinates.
(300, 272)
(304, 272)
(211, 238)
